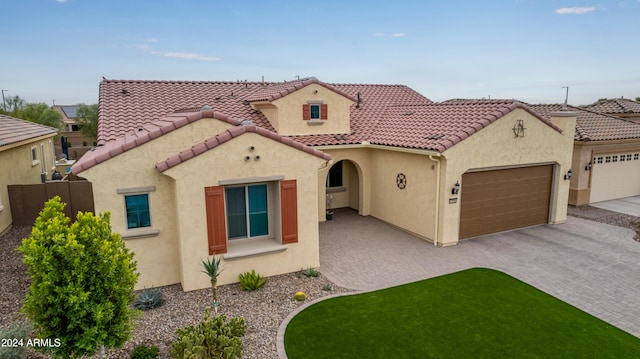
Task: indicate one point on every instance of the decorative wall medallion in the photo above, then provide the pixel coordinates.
(401, 180)
(518, 128)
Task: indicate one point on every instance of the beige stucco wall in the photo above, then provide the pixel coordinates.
(17, 167)
(157, 255)
(496, 146)
(227, 162)
(287, 120)
(358, 180)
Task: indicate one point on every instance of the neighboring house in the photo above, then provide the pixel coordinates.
(246, 170)
(79, 144)
(619, 107)
(606, 155)
(26, 154)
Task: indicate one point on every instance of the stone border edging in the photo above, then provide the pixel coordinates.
(283, 326)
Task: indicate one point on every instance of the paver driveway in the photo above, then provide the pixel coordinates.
(593, 266)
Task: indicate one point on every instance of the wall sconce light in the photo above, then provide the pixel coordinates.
(456, 188)
(257, 158)
(568, 175)
(588, 166)
(247, 158)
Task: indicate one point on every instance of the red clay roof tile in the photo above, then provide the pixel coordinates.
(615, 106)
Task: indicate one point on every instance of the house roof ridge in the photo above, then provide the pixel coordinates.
(228, 134)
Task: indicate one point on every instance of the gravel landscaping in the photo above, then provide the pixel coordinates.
(613, 218)
(263, 310)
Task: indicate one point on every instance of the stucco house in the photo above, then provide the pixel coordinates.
(247, 170)
(606, 155)
(26, 154)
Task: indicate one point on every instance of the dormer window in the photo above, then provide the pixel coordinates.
(314, 111)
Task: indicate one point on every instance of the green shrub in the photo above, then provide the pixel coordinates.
(251, 281)
(212, 338)
(311, 272)
(148, 299)
(144, 352)
(16, 335)
(328, 287)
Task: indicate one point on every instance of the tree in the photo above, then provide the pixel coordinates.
(40, 113)
(638, 98)
(82, 281)
(88, 120)
(13, 104)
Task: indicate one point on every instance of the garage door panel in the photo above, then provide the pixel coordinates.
(613, 178)
(494, 201)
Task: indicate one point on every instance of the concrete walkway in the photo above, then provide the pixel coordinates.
(593, 266)
(628, 205)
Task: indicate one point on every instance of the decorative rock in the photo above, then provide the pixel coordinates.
(300, 296)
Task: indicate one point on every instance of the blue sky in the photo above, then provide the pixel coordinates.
(524, 49)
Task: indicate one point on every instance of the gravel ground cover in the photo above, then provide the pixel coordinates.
(263, 310)
(616, 219)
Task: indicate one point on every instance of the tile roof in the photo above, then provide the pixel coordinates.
(227, 135)
(594, 126)
(615, 106)
(279, 90)
(127, 104)
(147, 132)
(440, 126)
(13, 130)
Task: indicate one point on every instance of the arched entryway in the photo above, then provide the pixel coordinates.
(343, 187)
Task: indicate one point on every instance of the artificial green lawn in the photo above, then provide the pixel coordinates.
(476, 313)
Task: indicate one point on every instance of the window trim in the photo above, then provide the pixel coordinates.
(34, 156)
(139, 232)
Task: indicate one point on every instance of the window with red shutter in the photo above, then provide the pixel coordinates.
(216, 219)
(306, 112)
(323, 112)
(289, 211)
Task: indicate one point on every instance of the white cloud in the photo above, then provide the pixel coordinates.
(61, 1)
(384, 34)
(185, 56)
(575, 10)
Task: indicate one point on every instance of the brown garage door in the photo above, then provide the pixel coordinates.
(499, 200)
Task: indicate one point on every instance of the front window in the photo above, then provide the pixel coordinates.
(137, 206)
(315, 112)
(247, 211)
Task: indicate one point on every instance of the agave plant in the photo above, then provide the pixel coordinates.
(148, 299)
(213, 268)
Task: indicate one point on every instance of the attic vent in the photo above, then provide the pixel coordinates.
(408, 113)
(205, 108)
(434, 136)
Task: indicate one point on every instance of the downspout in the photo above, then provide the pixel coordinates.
(437, 220)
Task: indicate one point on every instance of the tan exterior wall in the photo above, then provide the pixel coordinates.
(580, 189)
(17, 167)
(226, 162)
(157, 254)
(357, 184)
(288, 119)
(496, 146)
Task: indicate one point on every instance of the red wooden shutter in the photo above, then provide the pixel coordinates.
(323, 111)
(216, 220)
(289, 208)
(306, 112)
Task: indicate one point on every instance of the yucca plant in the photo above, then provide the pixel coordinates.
(311, 272)
(251, 281)
(213, 268)
(148, 299)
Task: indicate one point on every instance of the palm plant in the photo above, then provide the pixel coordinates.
(213, 268)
